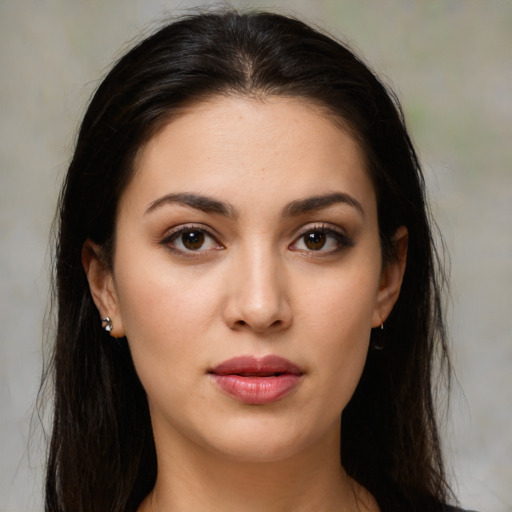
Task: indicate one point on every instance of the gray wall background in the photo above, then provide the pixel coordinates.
(450, 62)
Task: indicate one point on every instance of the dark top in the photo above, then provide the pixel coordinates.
(448, 508)
(418, 508)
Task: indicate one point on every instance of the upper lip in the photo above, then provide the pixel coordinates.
(256, 366)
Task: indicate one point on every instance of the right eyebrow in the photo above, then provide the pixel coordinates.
(197, 201)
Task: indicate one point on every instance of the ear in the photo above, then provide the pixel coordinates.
(391, 278)
(101, 284)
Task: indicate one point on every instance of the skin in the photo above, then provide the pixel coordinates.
(255, 287)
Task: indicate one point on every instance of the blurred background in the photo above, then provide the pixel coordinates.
(451, 64)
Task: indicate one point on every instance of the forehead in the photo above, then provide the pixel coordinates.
(239, 149)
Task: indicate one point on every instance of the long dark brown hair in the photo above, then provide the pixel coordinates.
(102, 455)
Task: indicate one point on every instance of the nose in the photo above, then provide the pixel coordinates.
(258, 298)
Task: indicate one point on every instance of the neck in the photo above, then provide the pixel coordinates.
(190, 478)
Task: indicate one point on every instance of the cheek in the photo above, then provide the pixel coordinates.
(165, 313)
(166, 321)
(342, 303)
(340, 316)
(157, 295)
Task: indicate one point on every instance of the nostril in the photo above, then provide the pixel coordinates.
(276, 323)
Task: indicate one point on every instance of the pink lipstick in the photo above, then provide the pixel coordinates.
(257, 381)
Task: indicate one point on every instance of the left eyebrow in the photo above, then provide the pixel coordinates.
(301, 206)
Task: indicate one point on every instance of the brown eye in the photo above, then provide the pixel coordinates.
(322, 240)
(315, 240)
(193, 240)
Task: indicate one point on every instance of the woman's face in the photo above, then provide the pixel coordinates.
(247, 276)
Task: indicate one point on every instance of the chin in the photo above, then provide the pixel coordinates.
(268, 440)
(260, 450)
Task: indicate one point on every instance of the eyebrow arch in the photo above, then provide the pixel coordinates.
(308, 204)
(197, 201)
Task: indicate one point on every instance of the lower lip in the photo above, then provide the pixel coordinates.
(257, 390)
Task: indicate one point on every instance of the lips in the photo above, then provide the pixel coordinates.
(257, 381)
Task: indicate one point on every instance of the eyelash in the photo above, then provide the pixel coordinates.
(181, 230)
(342, 241)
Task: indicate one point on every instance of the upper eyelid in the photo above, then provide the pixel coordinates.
(336, 232)
(184, 227)
(322, 226)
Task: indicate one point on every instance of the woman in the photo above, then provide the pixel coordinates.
(248, 289)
